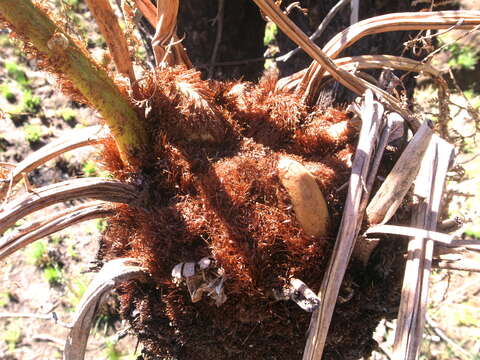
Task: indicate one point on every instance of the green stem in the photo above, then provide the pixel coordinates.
(32, 24)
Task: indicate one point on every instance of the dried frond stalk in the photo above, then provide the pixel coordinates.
(178, 52)
(94, 188)
(349, 227)
(48, 225)
(113, 34)
(110, 276)
(350, 81)
(429, 190)
(73, 140)
(363, 62)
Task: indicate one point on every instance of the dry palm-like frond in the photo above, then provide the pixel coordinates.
(112, 274)
(163, 18)
(350, 81)
(372, 124)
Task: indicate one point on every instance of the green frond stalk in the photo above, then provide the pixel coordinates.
(33, 24)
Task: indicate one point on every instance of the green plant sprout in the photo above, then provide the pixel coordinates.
(30, 103)
(32, 133)
(462, 56)
(12, 336)
(68, 115)
(53, 275)
(7, 93)
(89, 168)
(5, 298)
(111, 351)
(37, 254)
(271, 32)
(15, 73)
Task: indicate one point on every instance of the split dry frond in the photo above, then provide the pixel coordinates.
(112, 274)
(40, 228)
(92, 188)
(73, 140)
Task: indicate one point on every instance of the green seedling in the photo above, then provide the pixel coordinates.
(77, 288)
(30, 103)
(56, 239)
(101, 225)
(15, 73)
(32, 133)
(72, 251)
(69, 116)
(12, 336)
(37, 254)
(5, 298)
(89, 168)
(111, 352)
(53, 275)
(462, 56)
(271, 32)
(7, 93)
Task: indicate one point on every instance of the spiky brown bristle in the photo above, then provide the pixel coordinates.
(211, 188)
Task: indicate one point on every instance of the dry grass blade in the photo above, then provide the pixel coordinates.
(352, 215)
(113, 34)
(429, 190)
(94, 188)
(363, 62)
(110, 276)
(461, 19)
(75, 139)
(48, 225)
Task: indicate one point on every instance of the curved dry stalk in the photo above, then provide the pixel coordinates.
(461, 19)
(48, 225)
(364, 62)
(110, 276)
(94, 188)
(149, 11)
(75, 139)
(117, 43)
